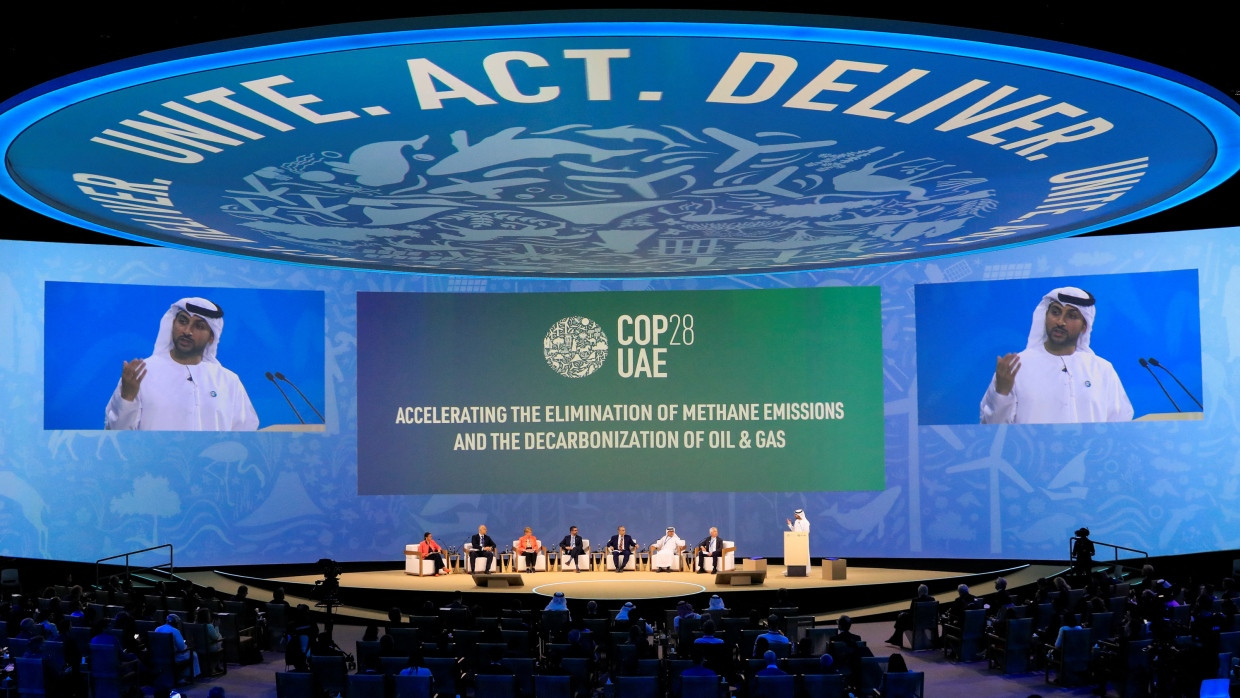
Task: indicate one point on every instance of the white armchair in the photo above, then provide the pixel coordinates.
(518, 559)
(675, 562)
(414, 564)
(727, 561)
(583, 560)
(609, 563)
(482, 561)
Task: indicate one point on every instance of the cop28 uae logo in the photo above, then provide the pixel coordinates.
(615, 148)
(575, 347)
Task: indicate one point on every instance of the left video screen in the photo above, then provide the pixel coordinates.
(181, 358)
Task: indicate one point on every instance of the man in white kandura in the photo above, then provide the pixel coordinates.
(665, 551)
(800, 524)
(181, 386)
(1057, 378)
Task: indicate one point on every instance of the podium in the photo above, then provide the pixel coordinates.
(796, 553)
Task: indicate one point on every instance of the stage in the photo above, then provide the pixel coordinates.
(866, 591)
(624, 586)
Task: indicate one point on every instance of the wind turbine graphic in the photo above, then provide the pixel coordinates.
(993, 463)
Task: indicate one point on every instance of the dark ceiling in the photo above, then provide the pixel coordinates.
(50, 41)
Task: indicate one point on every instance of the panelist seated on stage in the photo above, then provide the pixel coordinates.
(620, 549)
(665, 552)
(531, 552)
(718, 551)
(425, 558)
(481, 546)
(574, 549)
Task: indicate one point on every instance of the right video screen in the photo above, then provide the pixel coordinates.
(1062, 350)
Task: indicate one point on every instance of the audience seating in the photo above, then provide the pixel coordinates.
(924, 634)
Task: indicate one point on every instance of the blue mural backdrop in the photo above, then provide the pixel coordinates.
(958, 490)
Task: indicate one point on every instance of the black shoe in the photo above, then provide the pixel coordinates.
(701, 571)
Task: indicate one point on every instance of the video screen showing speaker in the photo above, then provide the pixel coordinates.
(166, 358)
(1067, 349)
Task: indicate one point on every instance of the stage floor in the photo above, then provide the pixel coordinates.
(866, 592)
(627, 585)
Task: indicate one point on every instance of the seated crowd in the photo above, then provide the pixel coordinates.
(1150, 631)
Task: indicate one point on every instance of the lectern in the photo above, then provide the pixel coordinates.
(796, 553)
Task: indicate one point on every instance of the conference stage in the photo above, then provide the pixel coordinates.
(869, 590)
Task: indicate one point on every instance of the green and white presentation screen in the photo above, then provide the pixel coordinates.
(710, 391)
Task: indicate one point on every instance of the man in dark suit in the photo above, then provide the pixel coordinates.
(571, 546)
(482, 546)
(712, 547)
(621, 545)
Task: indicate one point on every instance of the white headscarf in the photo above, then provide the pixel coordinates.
(1068, 297)
(163, 342)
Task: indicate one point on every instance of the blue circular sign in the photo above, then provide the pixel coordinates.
(614, 148)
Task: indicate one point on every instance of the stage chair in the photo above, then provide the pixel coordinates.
(565, 563)
(540, 563)
(1070, 662)
(404, 639)
(578, 669)
(727, 561)
(823, 685)
(445, 672)
(411, 686)
(553, 686)
(10, 581)
(553, 625)
(391, 666)
(1009, 653)
(367, 686)
(330, 674)
(820, 640)
(1100, 626)
(609, 564)
(965, 641)
(294, 684)
(168, 671)
(367, 653)
(924, 634)
(30, 679)
(495, 686)
(195, 635)
(482, 561)
(277, 624)
(774, 686)
(1134, 678)
(871, 674)
(903, 684)
(637, 686)
(237, 640)
(702, 687)
(415, 565)
(108, 676)
(522, 669)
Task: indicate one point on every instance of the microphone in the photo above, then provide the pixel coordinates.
(290, 402)
(280, 376)
(1154, 362)
(1146, 366)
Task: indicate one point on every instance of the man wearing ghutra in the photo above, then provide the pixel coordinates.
(1057, 379)
(182, 386)
(800, 524)
(665, 551)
